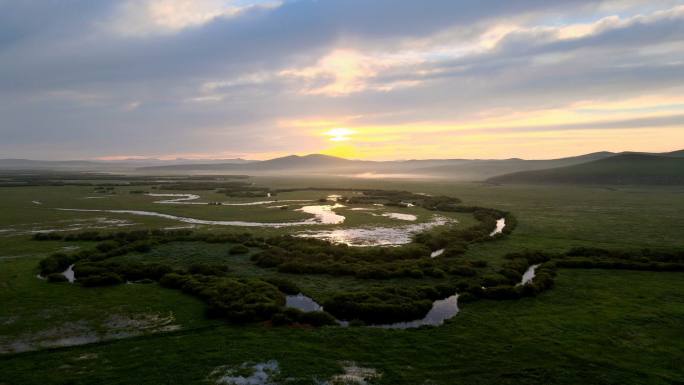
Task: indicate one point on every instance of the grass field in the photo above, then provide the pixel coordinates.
(593, 327)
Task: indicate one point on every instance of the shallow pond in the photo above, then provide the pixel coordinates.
(437, 253)
(400, 216)
(442, 310)
(325, 213)
(376, 236)
(500, 224)
(69, 274)
(302, 302)
(529, 274)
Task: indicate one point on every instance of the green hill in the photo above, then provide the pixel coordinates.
(624, 169)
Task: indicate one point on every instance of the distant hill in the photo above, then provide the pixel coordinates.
(674, 154)
(510, 170)
(292, 163)
(475, 170)
(456, 169)
(622, 169)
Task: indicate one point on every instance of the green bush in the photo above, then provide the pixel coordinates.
(208, 269)
(242, 300)
(173, 280)
(51, 236)
(317, 319)
(55, 263)
(383, 306)
(503, 292)
(494, 280)
(238, 249)
(57, 277)
(284, 285)
(104, 279)
(464, 271)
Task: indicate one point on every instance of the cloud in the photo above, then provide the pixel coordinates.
(149, 17)
(174, 76)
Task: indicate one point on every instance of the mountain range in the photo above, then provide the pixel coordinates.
(594, 168)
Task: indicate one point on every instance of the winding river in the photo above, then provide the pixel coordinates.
(442, 310)
(318, 219)
(188, 199)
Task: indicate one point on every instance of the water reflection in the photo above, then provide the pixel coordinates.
(176, 198)
(400, 216)
(325, 213)
(441, 311)
(437, 253)
(376, 236)
(69, 274)
(500, 224)
(323, 218)
(188, 199)
(302, 302)
(529, 275)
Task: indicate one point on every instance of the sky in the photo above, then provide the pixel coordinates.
(364, 79)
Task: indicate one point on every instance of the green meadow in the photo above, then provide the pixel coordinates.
(595, 326)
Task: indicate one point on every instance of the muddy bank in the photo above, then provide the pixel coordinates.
(82, 332)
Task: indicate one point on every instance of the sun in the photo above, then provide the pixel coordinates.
(339, 134)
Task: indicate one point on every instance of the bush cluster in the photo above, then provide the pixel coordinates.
(56, 263)
(235, 299)
(114, 272)
(383, 306)
(289, 316)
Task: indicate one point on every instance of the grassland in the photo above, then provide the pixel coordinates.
(593, 327)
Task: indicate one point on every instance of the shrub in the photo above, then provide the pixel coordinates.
(464, 271)
(107, 246)
(243, 300)
(466, 297)
(268, 258)
(383, 306)
(511, 275)
(51, 236)
(494, 280)
(284, 285)
(173, 280)
(208, 269)
(317, 318)
(141, 246)
(56, 277)
(503, 292)
(281, 319)
(479, 263)
(104, 279)
(55, 263)
(238, 249)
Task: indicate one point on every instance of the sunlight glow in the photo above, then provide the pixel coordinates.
(339, 134)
